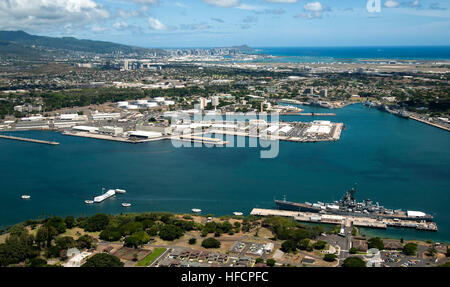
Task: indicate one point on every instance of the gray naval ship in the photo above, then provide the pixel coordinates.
(350, 207)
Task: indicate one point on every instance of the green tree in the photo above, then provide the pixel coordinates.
(45, 235)
(192, 241)
(103, 260)
(65, 242)
(131, 241)
(170, 232)
(15, 250)
(303, 244)
(85, 242)
(259, 260)
(289, 246)
(410, 249)
(376, 242)
(330, 257)
(319, 245)
(69, 221)
(57, 223)
(111, 234)
(132, 227)
(270, 262)
(97, 222)
(354, 262)
(211, 243)
(353, 250)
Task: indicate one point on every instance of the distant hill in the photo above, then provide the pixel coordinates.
(20, 40)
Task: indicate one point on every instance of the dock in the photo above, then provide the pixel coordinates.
(343, 219)
(429, 123)
(316, 114)
(29, 140)
(99, 137)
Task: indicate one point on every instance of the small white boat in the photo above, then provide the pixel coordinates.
(125, 204)
(26, 196)
(121, 191)
(89, 201)
(196, 210)
(237, 213)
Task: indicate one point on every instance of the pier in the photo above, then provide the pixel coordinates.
(28, 140)
(429, 123)
(316, 114)
(381, 223)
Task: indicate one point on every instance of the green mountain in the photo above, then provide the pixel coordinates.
(20, 40)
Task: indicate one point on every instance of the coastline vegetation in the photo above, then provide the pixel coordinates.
(45, 242)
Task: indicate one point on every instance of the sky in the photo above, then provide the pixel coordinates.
(220, 23)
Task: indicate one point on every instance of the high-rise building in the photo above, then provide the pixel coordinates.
(215, 101)
(202, 102)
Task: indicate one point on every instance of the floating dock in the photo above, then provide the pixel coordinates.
(28, 140)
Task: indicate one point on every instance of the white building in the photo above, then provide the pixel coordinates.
(145, 134)
(85, 129)
(69, 117)
(202, 102)
(285, 130)
(33, 119)
(110, 130)
(169, 103)
(215, 101)
(105, 116)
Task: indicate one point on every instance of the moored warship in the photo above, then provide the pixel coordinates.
(350, 207)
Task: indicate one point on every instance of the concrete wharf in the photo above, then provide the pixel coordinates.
(28, 140)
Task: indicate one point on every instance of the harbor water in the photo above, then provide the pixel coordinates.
(398, 162)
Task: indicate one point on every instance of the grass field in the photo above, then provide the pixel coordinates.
(151, 257)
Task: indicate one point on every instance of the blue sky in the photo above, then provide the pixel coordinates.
(212, 23)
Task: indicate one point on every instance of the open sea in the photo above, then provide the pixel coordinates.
(354, 54)
(398, 162)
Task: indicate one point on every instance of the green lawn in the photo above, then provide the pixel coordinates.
(151, 257)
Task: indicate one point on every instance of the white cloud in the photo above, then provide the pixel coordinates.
(250, 7)
(120, 25)
(34, 15)
(314, 10)
(391, 4)
(98, 29)
(181, 5)
(282, 1)
(146, 1)
(223, 3)
(313, 7)
(155, 24)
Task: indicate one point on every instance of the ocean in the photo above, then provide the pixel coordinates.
(355, 54)
(398, 162)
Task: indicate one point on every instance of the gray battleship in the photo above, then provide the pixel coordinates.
(349, 206)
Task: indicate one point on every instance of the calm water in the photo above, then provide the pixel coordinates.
(333, 54)
(400, 163)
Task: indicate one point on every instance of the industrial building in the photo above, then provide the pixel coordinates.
(108, 130)
(105, 116)
(145, 134)
(85, 129)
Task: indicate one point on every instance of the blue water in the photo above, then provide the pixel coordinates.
(400, 163)
(354, 54)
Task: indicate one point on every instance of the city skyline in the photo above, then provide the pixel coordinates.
(213, 23)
